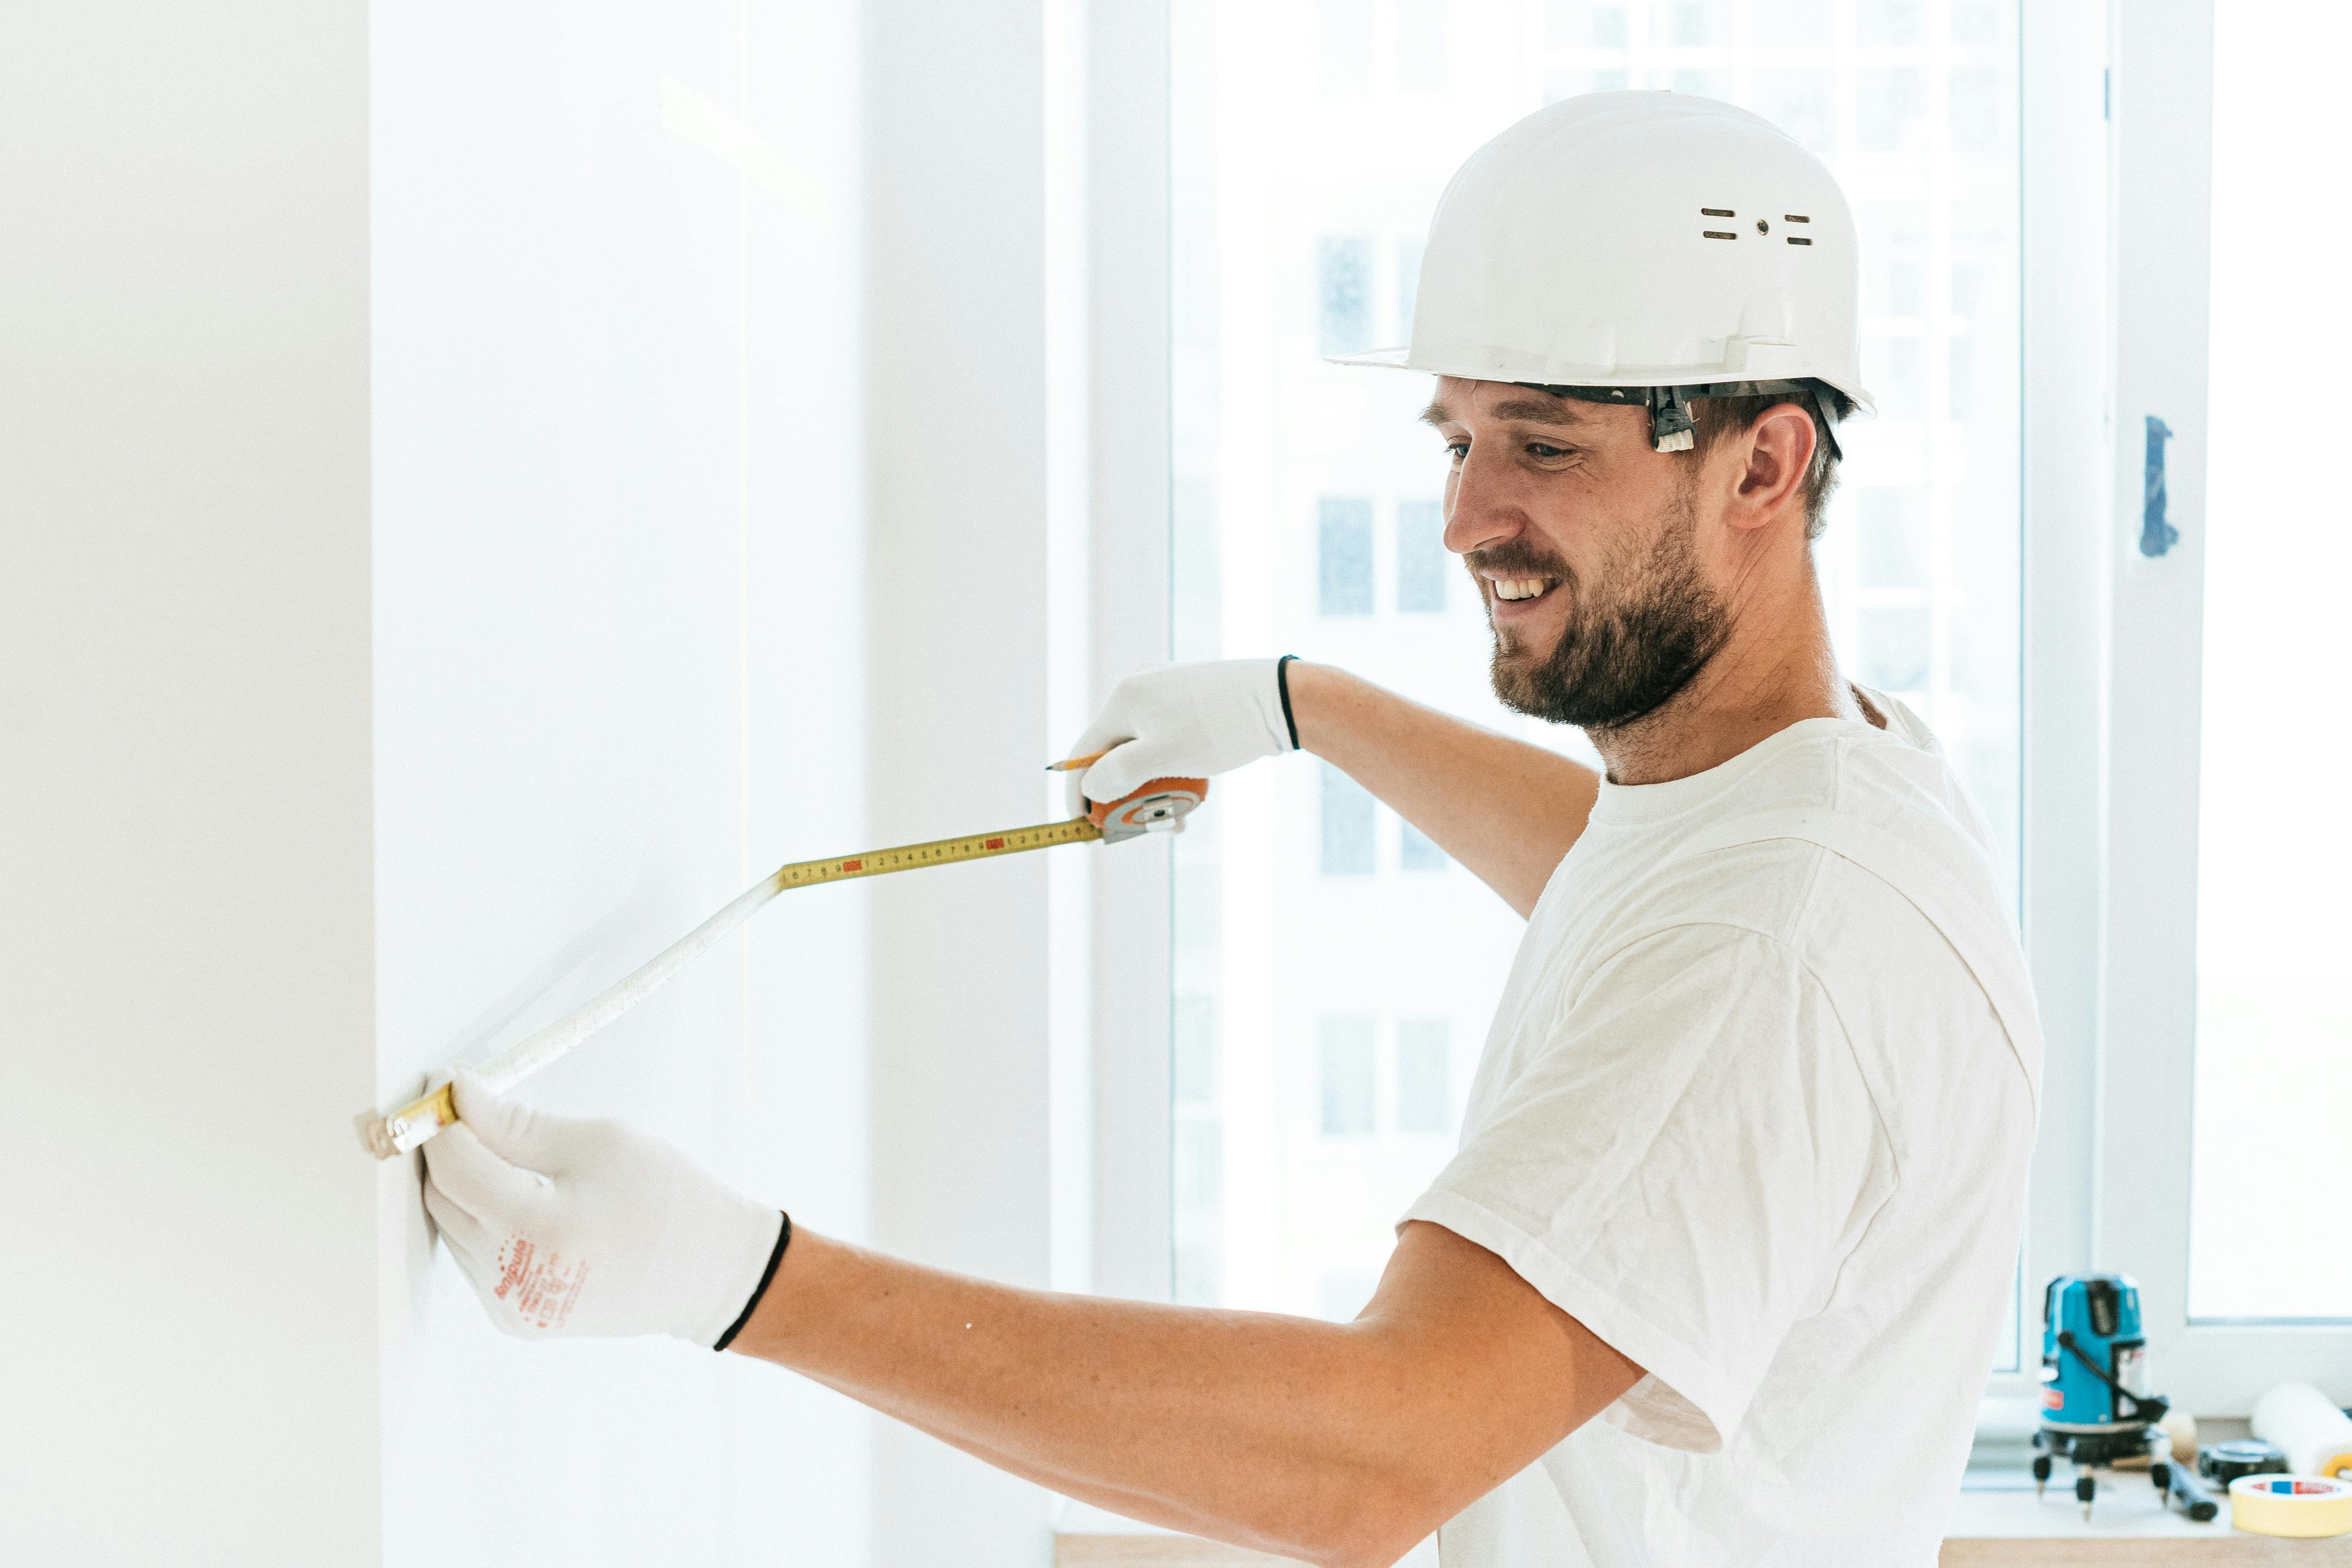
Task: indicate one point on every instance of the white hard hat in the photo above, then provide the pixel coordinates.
(1641, 247)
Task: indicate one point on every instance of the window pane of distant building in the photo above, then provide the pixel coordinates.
(1799, 24)
(1343, 283)
(1584, 24)
(1416, 851)
(1424, 1076)
(1891, 23)
(1889, 108)
(1346, 1051)
(1424, 566)
(1343, 555)
(1700, 23)
(1408, 279)
(1798, 99)
(1348, 816)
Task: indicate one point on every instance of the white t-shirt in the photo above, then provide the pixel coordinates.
(1752, 1116)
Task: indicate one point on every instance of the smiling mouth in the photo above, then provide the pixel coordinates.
(1519, 588)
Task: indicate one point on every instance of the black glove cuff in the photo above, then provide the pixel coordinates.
(774, 1258)
(1282, 679)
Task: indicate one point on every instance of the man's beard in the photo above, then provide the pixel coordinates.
(1628, 647)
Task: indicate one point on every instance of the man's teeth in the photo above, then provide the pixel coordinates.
(1520, 586)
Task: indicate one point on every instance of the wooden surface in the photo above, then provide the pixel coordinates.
(2218, 1546)
(1992, 1527)
(2223, 1548)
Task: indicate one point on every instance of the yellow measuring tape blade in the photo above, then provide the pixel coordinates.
(939, 851)
(420, 1118)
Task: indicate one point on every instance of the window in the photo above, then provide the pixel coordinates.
(1424, 568)
(2273, 1046)
(1347, 1077)
(2224, 844)
(1408, 279)
(1285, 537)
(1343, 280)
(1343, 557)
(1349, 813)
(1425, 1055)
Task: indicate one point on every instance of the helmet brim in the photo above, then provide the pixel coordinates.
(1400, 359)
(1380, 359)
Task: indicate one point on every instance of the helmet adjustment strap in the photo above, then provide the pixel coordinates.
(1671, 429)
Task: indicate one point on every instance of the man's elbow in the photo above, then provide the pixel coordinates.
(1380, 1525)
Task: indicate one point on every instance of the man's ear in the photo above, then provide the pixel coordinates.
(1776, 451)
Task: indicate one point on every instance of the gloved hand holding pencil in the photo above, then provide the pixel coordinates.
(1184, 721)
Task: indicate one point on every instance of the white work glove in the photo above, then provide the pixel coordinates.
(568, 1227)
(1182, 721)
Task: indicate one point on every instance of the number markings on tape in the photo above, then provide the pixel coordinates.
(939, 851)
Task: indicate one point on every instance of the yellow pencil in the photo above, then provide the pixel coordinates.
(1077, 762)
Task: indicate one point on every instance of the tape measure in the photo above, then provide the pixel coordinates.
(1159, 806)
(2304, 1506)
(2222, 1463)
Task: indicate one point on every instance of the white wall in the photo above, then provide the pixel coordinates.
(437, 496)
(618, 620)
(386, 663)
(187, 1348)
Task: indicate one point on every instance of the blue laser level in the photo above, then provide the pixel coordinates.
(2095, 1407)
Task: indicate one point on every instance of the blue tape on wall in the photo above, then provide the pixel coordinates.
(2156, 535)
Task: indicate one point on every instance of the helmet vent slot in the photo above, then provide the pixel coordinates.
(1794, 218)
(1715, 233)
(1716, 213)
(1794, 241)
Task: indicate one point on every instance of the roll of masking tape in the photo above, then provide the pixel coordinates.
(2299, 1419)
(2291, 1505)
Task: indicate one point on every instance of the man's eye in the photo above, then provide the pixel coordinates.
(1546, 453)
(1460, 450)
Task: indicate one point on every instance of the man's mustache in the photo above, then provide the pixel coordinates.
(1515, 561)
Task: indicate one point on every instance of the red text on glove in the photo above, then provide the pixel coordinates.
(536, 1284)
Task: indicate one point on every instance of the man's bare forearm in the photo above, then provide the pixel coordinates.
(1222, 1424)
(1339, 1443)
(1507, 809)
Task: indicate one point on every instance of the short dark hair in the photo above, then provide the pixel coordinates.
(1715, 418)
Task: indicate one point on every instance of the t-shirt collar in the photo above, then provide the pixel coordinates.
(1632, 805)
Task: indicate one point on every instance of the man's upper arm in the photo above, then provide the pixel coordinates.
(1494, 1374)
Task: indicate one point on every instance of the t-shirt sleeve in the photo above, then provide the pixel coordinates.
(1682, 1165)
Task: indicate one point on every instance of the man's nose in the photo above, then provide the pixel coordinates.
(1480, 512)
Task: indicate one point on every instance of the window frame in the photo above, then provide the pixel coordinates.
(2163, 309)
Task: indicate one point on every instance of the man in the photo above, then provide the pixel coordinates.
(1717, 1269)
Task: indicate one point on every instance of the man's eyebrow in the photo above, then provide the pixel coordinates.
(1526, 410)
